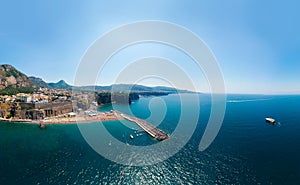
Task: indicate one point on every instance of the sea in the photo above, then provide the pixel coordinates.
(246, 150)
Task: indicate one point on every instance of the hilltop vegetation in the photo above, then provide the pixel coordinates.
(15, 90)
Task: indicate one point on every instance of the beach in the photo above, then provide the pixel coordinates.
(67, 119)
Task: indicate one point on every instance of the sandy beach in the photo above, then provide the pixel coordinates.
(66, 119)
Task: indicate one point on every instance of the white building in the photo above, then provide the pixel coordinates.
(24, 98)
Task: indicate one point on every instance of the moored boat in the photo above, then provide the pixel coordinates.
(42, 125)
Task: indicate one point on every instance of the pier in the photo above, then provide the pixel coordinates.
(147, 127)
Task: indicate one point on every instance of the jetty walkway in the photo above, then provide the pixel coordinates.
(147, 127)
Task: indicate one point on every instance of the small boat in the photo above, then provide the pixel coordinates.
(131, 136)
(42, 126)
(270, 120)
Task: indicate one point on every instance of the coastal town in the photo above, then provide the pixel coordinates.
(29, 99)
(51, 106)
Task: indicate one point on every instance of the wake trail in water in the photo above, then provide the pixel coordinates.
(278, 124)
(249, 100)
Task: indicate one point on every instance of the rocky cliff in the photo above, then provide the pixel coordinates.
(11, 77)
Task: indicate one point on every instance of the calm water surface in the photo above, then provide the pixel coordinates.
(246, 151)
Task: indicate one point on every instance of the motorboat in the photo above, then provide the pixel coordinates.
(270, 120)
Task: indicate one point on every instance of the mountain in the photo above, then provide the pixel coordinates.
(118, 87)
(10, 77)
(133, 87)
(13, 81)
(60, 85)
(38, 82)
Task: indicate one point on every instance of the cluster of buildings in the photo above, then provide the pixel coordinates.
(43, 95)
(44, 103)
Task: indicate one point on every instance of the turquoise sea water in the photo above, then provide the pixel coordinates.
(247, 150)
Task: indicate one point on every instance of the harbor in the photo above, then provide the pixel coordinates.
(147, 127)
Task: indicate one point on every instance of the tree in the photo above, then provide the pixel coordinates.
(13, 109)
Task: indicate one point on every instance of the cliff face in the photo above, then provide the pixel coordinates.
(11, 77)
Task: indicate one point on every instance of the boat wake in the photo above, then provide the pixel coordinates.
(278, 124)
(249, 100)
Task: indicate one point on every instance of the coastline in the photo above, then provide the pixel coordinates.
(63, 119)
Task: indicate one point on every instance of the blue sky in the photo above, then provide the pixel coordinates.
(256, 43)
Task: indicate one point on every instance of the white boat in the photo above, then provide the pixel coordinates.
(270, 120)
(131, 136)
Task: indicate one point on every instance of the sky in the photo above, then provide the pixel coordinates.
(256, 43)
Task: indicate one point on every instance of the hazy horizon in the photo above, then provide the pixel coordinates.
(296, 92)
